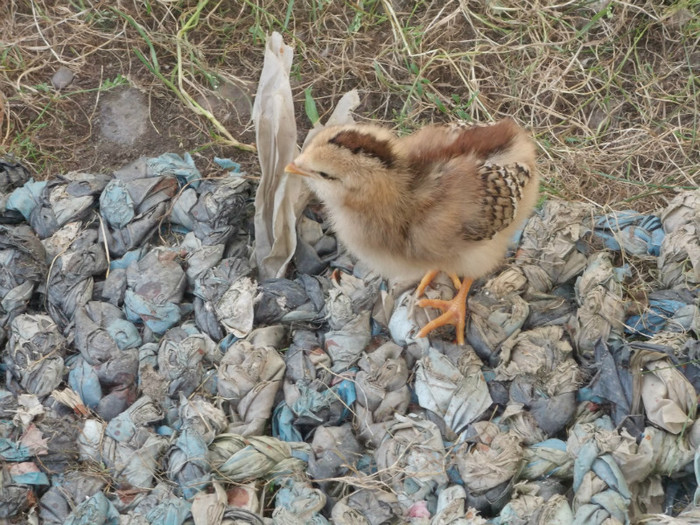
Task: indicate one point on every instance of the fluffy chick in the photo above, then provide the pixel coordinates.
(445, 198)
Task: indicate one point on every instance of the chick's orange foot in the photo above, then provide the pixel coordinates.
(454, 310)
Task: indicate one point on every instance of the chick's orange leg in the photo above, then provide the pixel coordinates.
(425, 281)
(428, 278)
(454, 311)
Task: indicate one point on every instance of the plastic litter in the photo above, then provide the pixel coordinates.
(22, 270)
(637, 234)
(13, 175)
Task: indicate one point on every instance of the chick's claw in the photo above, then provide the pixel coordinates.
(454, 311)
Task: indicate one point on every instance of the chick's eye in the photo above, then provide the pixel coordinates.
(326, 176)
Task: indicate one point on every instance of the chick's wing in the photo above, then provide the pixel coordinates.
(469, 183)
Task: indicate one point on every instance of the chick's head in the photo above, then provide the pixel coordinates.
(344, 159)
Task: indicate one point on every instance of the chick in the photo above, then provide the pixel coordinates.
(446, 198)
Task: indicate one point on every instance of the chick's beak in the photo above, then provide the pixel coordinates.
(294, 169)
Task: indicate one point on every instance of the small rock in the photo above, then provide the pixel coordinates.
(62, 78)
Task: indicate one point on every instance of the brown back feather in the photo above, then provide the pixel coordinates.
(481, 141)
(366, 144)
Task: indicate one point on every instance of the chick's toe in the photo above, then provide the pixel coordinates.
(454, 311)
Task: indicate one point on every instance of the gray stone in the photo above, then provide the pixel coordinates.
(62, 78)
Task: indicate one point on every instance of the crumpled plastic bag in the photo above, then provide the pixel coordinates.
(497, 313)
(128, 424)
(335, 450)
(102, 332)
(346, 344)
(279, 199)
(551, 239)
(601, 311)
(235, 308)
(129, 452)
(315, 249)
(411, 460)
(299, 503)
(633, 232)
(199, 257)
(670, 401)
(452, 385)
(309, 404)
(105, 375)
(156, 284)
(613, 383)
(313, 395)
(169, 509)
(600, 489)
(187, 462)
(132, 205)
(644, 463)
(679, 259)
(48, 205)
(305, 361)
(489, 467)
(670, 310)
(250, 375)
(280, 300)
(210, 287)
(544, 376)
(182, 168)
(450, 507)
(22, 269)
(35, 352)
(529, 507)
(12, 176)
(237, 458)
(683, 209)
(181, 355)
(72, 276)
(397, 308)
(66, 492)
(202, 416)
(367, 507)
(382, 391)
(547, 459)
(238, 505)
(214, 211)
(14, 498)
(95, 510)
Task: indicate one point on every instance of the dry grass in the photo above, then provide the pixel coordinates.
(610, 89)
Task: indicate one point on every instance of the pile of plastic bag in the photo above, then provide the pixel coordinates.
(158, 381)
(160, 369)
